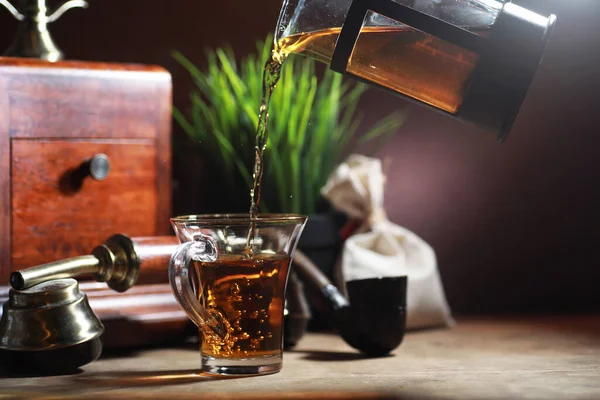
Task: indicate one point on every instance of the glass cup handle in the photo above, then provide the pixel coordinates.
(203, 249)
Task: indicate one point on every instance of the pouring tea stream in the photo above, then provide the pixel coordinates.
(470, 59)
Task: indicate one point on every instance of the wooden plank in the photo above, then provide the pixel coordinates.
(5, 211)
(482, 358)
(163, 180)
(83, 99)
(69, 67)
(144, 315)
(49, 106)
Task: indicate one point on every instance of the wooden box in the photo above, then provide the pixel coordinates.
(54, 119)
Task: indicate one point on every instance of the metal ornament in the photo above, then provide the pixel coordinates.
(67, 317)
(47, 324)
(49, 328)
(114, 262)
(33, 39)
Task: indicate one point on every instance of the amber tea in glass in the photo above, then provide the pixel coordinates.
(250, 293)
(234, 289)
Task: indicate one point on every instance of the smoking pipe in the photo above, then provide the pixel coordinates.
(47, 325)
(372, 319)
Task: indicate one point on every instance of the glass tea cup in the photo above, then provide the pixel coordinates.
(229, 275)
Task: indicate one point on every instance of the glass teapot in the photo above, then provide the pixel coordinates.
(471, 59)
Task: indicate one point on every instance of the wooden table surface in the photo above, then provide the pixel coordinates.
(500, 358)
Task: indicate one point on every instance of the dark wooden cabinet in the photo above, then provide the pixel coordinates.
(54, 118)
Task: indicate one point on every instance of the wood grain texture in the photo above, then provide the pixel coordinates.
(5, 233)
(52, 220)
(144, 315)
(154, 254)
(482, 358)
(79, 99)
(163, 144)
(85, 103)
(78, 106)
(23, 64)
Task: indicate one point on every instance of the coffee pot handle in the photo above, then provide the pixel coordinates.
(203, 249)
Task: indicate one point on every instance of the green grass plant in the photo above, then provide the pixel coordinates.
(313, 125)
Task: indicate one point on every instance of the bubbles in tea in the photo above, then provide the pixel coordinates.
(249, 294)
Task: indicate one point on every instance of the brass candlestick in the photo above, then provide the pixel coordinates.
(33, 39)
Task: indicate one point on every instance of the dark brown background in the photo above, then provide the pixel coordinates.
(515, 226)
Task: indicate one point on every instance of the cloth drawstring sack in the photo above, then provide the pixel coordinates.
(380, 248)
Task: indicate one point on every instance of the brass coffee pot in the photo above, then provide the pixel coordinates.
(33, 39)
